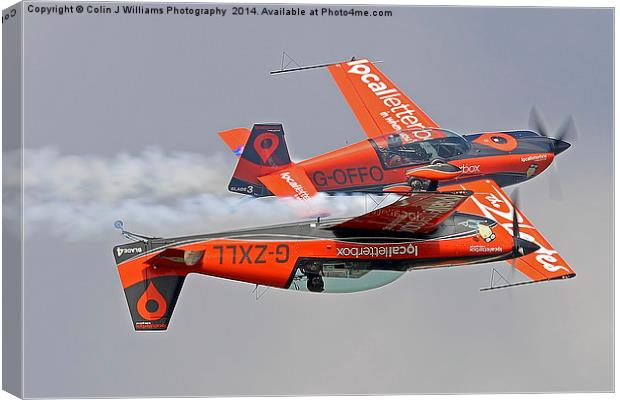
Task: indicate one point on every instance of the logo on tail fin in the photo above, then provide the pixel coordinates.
(264, 153)
(265, 144)
(152, 305)
(152, 301)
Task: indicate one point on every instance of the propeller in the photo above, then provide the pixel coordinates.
(520, 247)
(566, 133)
(517, 251)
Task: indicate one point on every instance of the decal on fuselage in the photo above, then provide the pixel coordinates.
(348, 176)
(252, 253)
(382, 251)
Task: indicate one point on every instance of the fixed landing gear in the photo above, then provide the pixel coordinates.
(426, 178)
(315, 283)
(312, 270)
(417, 185)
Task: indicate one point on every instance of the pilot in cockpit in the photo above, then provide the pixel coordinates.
(398, 153)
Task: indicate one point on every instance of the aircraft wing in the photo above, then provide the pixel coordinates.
(419, 212)
(490, 201)
(379, 105)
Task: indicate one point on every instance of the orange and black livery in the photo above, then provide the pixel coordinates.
(421, 230)
(452, 210)
(401, 139)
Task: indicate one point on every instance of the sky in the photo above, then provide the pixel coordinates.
(120, 122)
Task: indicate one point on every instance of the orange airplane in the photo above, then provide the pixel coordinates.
(422, 230)
(405, 149)
(470, 221)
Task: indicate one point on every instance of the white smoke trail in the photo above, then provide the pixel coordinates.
(155, 192)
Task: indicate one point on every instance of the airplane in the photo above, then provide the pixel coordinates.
(405, 148)
(407, 151)
(421, 230)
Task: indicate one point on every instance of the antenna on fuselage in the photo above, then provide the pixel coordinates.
(118, 224)
(287, 61)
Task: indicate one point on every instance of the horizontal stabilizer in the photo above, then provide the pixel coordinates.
(291, 181)
(235, 139)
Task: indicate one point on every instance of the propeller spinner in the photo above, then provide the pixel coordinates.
(567, 131)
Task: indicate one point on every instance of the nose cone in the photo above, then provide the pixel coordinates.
(559, 146)
(525, 247)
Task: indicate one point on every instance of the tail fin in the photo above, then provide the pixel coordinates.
(151, 291)
(264, 153)
(152, 301)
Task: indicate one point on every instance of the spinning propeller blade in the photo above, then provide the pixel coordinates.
(567, 131)
(515, 221)
(521, 247)
(515, 233)
(537, 124)
(518, 251)
(555, 184)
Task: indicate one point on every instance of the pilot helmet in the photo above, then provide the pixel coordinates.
(394, 141)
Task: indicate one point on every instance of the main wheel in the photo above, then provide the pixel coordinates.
(416, 184)
(315, 283)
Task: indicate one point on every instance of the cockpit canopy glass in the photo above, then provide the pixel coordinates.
(419, 146)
